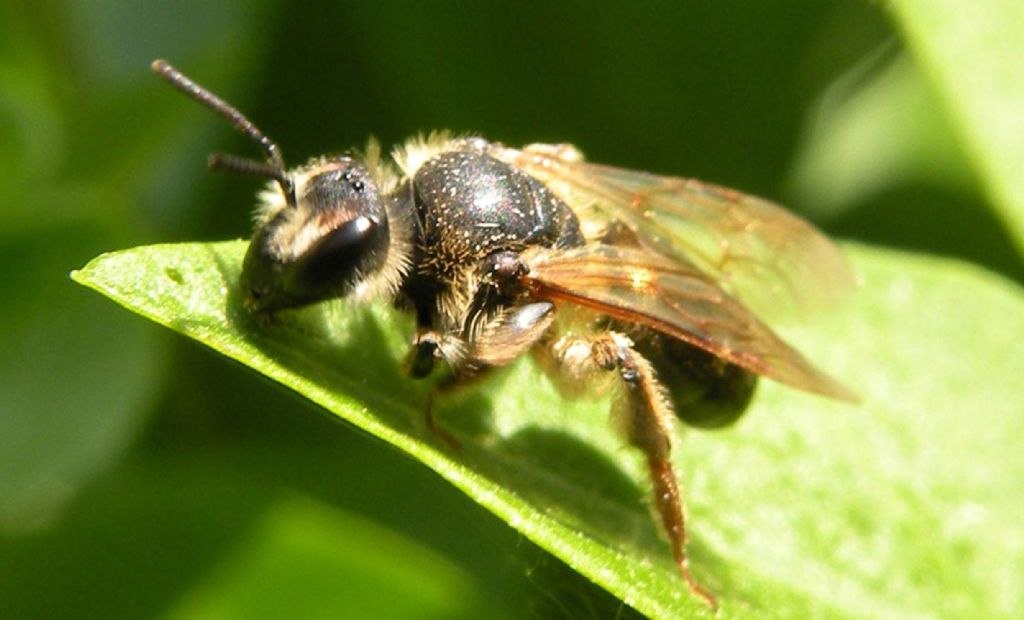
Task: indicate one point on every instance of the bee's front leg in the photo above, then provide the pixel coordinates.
(643, 416)
(508, 334)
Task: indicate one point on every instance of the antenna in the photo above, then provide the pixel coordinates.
(274, 166)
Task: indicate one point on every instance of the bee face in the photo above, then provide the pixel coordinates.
(334, 237)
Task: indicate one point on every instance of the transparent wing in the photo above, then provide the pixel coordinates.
(773, 261)
(674, 298)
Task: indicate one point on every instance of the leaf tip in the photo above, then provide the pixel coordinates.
(77, 276)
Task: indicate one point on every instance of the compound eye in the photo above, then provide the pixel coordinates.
(333, 260)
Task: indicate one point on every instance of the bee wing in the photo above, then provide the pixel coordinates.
(773, 261)
(675, 298)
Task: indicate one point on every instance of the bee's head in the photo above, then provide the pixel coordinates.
(323, 243)
(324, 229)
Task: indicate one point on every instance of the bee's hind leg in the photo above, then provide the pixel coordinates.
(643, 416)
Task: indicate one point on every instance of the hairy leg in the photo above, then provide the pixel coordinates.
(643, 416)
(499, 341)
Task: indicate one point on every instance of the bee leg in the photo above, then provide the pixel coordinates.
(419, 363)
(644, 417)
(503, 339)
(428, 415)
(511, 333)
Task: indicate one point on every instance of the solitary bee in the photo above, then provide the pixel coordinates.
(605, 274)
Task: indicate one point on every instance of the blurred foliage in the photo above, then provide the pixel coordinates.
(973, 58)
(141, 476)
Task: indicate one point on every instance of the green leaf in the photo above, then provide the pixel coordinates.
(874, 128)
(259, 538)
(71, 405)
(973, 54)
(321, 559)
(905, 505)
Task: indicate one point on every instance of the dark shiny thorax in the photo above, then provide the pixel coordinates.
(470, 205)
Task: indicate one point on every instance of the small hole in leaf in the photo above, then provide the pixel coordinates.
(174, 274)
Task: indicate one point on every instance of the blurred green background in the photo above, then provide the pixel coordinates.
(142, 476)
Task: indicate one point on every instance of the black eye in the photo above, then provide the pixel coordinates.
(332, 261)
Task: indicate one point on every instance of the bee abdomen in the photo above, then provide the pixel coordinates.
(706, 390)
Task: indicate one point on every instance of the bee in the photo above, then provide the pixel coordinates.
(640, 282)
